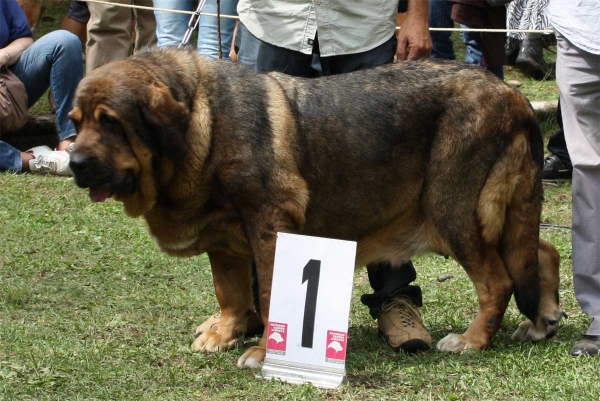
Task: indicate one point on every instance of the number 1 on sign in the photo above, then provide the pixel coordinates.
(310, 274)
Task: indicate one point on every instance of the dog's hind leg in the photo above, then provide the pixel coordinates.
(494, 289)
(549, 314)
(233, 281)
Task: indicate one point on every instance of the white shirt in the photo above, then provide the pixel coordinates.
(578, 21)
(344, 26)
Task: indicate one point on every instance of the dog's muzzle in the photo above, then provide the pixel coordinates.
(102, 180)
(88, 171)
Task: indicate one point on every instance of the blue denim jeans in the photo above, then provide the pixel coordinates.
(439, 17)
(54, 61)
(10, 157)
(474, 53)
(247, 45)
(170, 27)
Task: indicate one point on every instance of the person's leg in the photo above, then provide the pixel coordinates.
(394, 303)
(76, 20)
(380, 55)
(474, 52)
(208, 43)
(558, 165)
(531, 57)
(170, 27)
(273, 58)
(578, 77)
(145, 26)
(439, 17)
(388, 282)
(248, 45)
(108, 35)
(10, 158)
(41, 160)
(53, 61)
(394, 300)
(557, 144)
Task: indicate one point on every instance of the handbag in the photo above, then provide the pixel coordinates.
(13, 102)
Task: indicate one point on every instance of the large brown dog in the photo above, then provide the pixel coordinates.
(404, 159)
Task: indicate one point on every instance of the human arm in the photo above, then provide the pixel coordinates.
(414, 40)
(11, 53)
(15, 35)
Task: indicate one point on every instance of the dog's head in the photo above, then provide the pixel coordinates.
(128, 122)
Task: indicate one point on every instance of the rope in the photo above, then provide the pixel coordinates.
(554, 227)
(219, 29)
(111, 3)
(544, 31)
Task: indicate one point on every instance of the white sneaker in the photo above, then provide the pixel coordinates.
(48, 161)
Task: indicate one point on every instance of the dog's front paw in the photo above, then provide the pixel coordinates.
(253, 357)
(546, 328)
(455, 343)
(213, 341)
(527, 331)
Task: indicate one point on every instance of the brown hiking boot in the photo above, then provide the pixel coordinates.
(254, 327)
(400, 324)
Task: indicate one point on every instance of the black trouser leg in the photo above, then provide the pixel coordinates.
(388, 282)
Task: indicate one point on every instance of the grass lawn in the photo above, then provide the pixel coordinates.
(90, 310)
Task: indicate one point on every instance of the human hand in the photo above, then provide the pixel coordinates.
(414, 40)
(4, 58)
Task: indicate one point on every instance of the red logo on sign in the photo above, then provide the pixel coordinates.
(277, 338)
(336, 346)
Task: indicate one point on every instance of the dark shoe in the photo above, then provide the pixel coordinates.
(400, 324)
(512, 49)
(531, 59)
(555, 170)
(588, 345)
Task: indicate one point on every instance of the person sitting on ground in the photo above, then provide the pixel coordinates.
(54, 61)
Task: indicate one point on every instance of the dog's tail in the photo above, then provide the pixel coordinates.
(510, 207)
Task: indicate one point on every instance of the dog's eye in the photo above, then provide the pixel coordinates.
(109, 123)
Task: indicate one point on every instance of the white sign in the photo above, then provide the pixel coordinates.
(310, 304)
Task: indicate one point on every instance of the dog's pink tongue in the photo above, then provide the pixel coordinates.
(99, 195)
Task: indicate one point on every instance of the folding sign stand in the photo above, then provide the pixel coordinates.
(310, 304)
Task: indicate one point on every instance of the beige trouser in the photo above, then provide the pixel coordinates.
(109, 31)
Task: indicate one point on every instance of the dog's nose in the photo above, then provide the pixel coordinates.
(85, 169)
(79, 162)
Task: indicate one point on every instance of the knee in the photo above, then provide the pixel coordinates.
(64, 42)
(68, 41)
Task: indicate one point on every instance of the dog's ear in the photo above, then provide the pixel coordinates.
(167, 119)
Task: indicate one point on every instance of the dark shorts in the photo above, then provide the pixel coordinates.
(79, 12)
